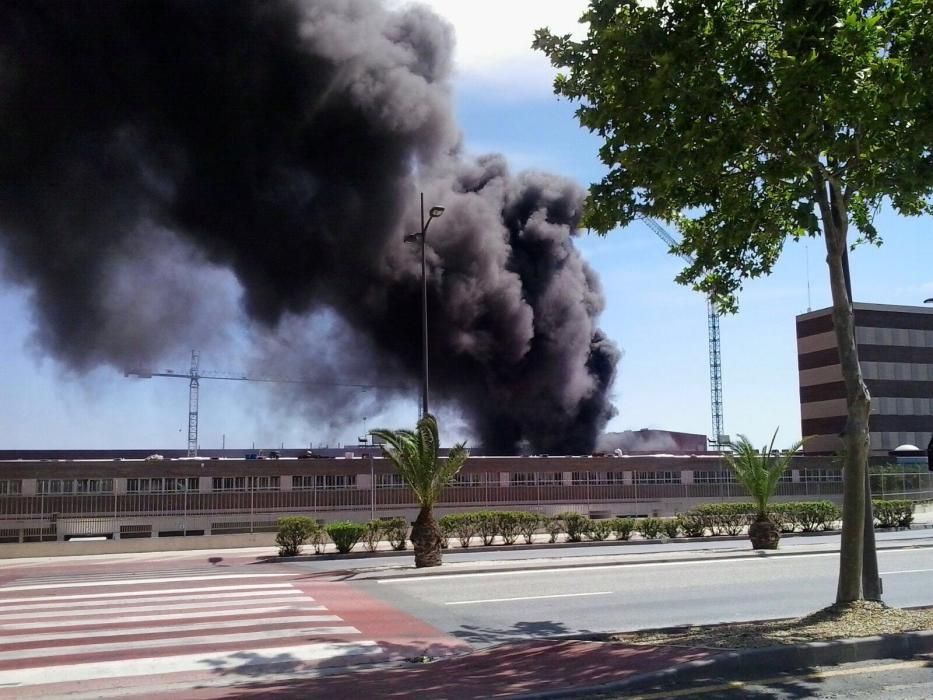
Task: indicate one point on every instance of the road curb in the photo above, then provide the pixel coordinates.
(764, 661)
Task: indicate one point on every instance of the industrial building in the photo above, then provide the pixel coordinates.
(895, 348)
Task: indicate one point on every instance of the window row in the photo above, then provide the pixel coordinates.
(820, 475)
(10, 487)
(162, 485)
(324, 481)
(597, 478)
(52, 486)
(245, 483)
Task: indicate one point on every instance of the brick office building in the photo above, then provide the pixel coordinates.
(895, 347)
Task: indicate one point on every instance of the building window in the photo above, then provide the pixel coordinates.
(713, 477)
(389, 481)
(162, 485)
(11, 487)
(64, 486)
(228, 483)
(323, 481)
(536, 479)
(820, 475)
(461, 479)
(263, 483)
(657, 477)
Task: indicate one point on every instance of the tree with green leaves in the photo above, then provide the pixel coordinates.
(745, 122)
(759, 473)
(415, 456)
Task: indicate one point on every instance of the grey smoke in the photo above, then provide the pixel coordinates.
(149, 149)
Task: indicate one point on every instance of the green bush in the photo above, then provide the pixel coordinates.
(528, 525)
(784, 515)
(893, 513)
(448, 526)
(623, 527)
(345, 535)
(671, 527)
(464, 527)
(575, 525)
(693, 525)
(649, 528)
(487, 525)
(554, 526)
(599, 530)
(293, 532)
(373, 535)
(396, 531)
(509, 526)
(815, 516)
(724, 518)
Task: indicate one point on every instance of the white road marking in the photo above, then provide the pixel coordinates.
(115, 614)
(165, 616)
(210, 661)
(905, 571)
(234, 598)
(596, 567)
(121, 594)
(529, 597)
(194, 627)
(211, 639)
(135, 581)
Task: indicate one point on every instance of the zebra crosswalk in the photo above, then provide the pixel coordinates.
(56, 631)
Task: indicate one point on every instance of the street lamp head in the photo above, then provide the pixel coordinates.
(928, 301)
(436, 212)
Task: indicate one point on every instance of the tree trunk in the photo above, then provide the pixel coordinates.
(858, 402)
(426, 538)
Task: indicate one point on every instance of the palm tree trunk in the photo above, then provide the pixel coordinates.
(426, 538)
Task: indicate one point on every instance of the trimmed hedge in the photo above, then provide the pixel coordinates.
(709, 518)
(293, 532)
(345, 535)
(893, 513)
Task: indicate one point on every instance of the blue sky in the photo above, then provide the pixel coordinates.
(504, 103)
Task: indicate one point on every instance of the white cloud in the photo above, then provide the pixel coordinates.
(494, 38)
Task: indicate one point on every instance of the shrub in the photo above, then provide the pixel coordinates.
(784, 515)
(508, 523)
(599, 530)
(623, 527)
(724, 518)
(671, 527)
(528, 525)
(693, 525)
(396, 531)
(816, 515)
(649, 528)
(554, 526)
(373, 535)
(345, 535)
(575, 525)
(487, 525)
(293, 532)
(465, 527)
(318, 539)
(893, 513)
(448, 526)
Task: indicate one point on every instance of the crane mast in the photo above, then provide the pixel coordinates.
(718, 437)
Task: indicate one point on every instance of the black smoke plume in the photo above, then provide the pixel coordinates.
(147, 147)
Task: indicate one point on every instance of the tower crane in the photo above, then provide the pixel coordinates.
(719, 438)
(195, 374)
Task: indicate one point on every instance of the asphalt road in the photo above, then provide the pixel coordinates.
(492, 607)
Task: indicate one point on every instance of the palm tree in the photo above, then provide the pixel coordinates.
(759, 473)
(414, 455)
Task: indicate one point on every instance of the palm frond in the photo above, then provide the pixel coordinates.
(415, 457)
(759, 472)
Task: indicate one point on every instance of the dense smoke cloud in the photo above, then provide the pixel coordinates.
(170, 143)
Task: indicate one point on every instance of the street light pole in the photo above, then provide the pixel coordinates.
(434, 213)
